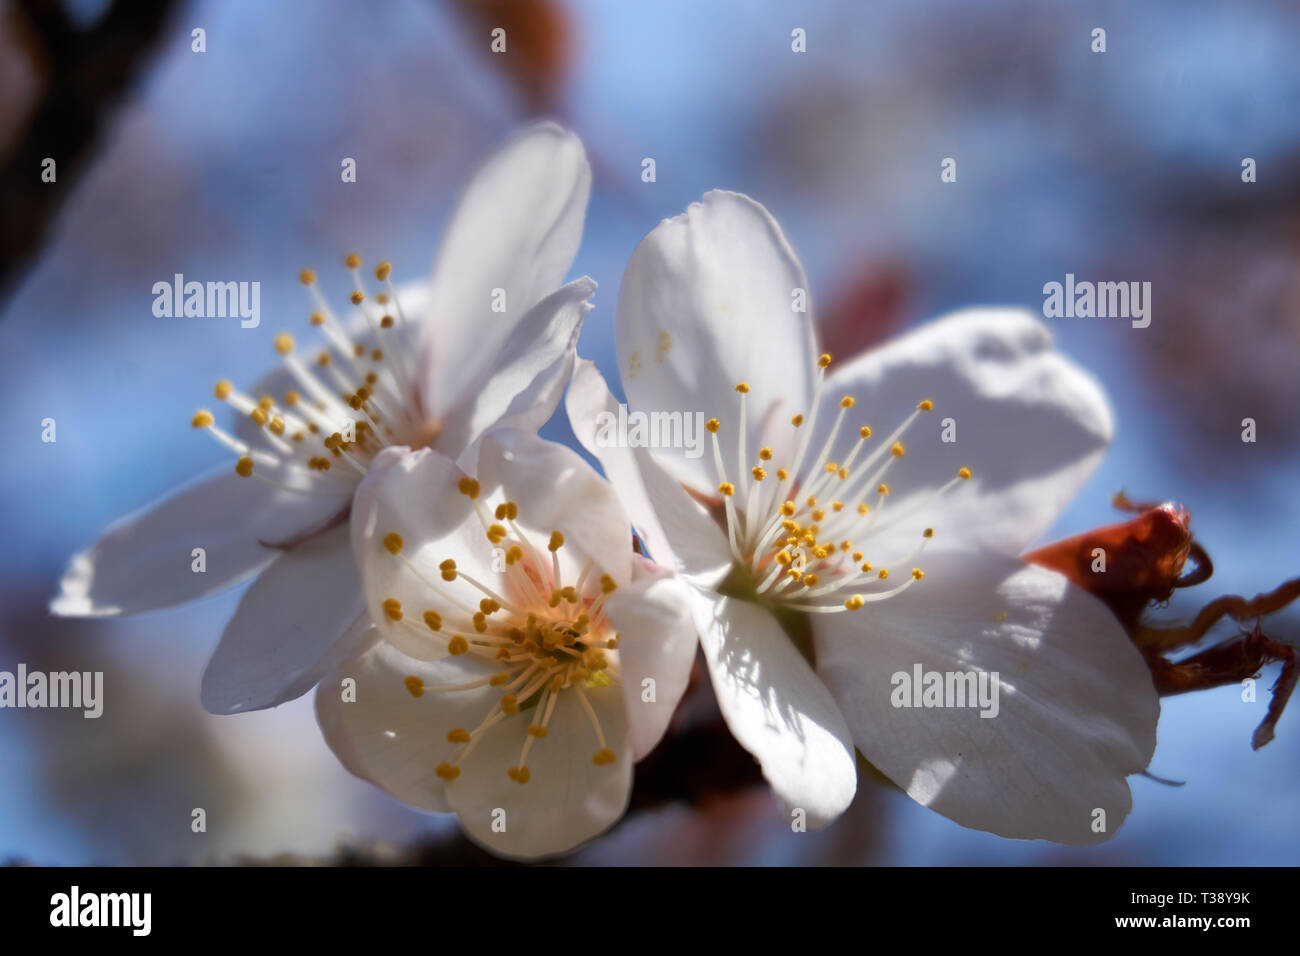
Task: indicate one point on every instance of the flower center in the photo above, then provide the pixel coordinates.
(802, 530)
(357, 400)
(549, 637)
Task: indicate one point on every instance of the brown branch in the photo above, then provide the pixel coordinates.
(88, 71)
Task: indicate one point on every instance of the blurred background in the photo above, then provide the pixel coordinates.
(225, 165)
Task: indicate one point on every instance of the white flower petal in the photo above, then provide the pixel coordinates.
(777, 708)
(657, 640)
(1029, 423)
(299, 619)
(556, 490)
(1076, 707)
(415, 495)
(516, 229)
(706, 303)
(569, 798)
(145, 561)
(391, 738)
(677, 531)
(524, 384)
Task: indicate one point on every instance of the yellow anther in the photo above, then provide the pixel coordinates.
(788, 508)
(244, 467)
(783, 558)
(457, 646)
(925, 405)
(883, 489)
(468, 487)
(809, 579)
(503, 678)
(317, 318)
(383, 270)
(818, 515)
(448, 569)
(514, 554)
(928, 533)
(284, 343)
(447, 772)
(507, 511)
(434, 620)
(782, 474)
(863, 509)
(393, 542)
(488, 606)
(857, 555)
(765, 454)
(603, 756)
(917, 574)
(536, 730)
(837, 506)
(307, 276)
(963, 474)
(727, 488)
(824, 360)
(812, 501)
(323, 359)
(758, 473)
(480, 621)
(357, 297)
(846, 546)
(510, 705)
(884, 573)
(223, 389)
(519, 775)
(853, 603)
(352, 261)
(386, 322)
(865, 431)
(796, 421)
(595, 659)
(458, 735)
(570, 594)
(202, 418)
(832, 467)
(556, 542)
(866, 567)
(414, 685)
(846, 401)
(712, 425)
(607, 585)
(277, 425)
(743, 388)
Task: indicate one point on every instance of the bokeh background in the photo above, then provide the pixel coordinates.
(225, 165)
